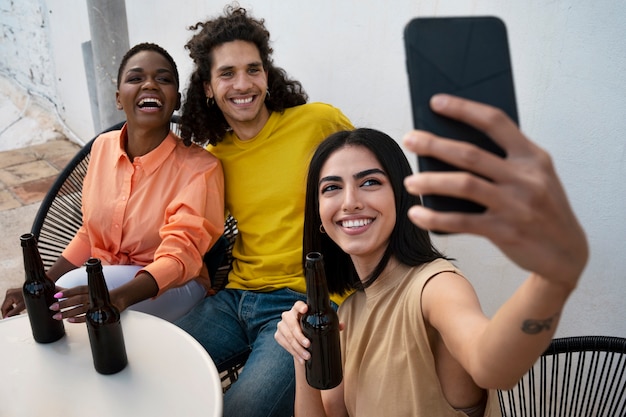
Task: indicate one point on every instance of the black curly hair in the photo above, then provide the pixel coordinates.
(146, 46)
(203, 124)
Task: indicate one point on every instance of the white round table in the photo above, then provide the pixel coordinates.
(168, 373)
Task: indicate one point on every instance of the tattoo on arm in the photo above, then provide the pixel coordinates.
(534, 326)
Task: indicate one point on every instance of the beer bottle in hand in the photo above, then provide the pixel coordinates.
(38, 293)
(103, 323)
(320, 325)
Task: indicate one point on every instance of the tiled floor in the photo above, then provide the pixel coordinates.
(26, 174)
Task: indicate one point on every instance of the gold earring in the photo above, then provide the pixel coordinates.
(322, 230)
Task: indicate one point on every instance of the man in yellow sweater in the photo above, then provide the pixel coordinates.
(258, 124)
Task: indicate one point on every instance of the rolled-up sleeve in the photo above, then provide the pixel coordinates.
(194, 220)
(79, 249)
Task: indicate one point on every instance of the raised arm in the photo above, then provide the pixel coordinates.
(528, 217)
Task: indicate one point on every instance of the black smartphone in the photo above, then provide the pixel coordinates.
(467, 57)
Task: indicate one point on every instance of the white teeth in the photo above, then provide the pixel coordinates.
(242, 100)
(355, 223)
(149, 102)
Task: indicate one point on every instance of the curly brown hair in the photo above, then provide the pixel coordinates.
(203, 124)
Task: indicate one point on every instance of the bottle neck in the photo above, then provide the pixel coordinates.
(318, 298)
(33, 265)
(98, 291)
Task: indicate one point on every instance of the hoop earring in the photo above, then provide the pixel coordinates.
(322, 230)
(267, 94)
(210, 102)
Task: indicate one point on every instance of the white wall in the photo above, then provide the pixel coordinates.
(568, 57)
(23, 38)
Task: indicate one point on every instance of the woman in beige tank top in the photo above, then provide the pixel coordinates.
(415, 341)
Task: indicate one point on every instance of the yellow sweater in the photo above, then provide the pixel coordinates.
(265, 184)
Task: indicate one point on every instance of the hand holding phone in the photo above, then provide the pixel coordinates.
(462, 56)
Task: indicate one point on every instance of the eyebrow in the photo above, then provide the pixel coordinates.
(330, 178)
(357, 176)
(141, 70)
(230, 67)
(367, 172)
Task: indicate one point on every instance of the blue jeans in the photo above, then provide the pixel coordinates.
(235, 321)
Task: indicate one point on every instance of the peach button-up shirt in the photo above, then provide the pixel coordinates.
(163, 210)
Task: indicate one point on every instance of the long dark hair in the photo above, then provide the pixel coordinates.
(201, 123)
(408, 243)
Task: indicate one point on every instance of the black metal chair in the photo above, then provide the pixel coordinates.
(59, 217)
(580, 376)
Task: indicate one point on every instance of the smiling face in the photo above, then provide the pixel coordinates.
(238, 85)
(148, 92)
(356, 205)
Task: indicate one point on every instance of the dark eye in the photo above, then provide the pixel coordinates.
(328, 188)
(165, 80)
(371, 182)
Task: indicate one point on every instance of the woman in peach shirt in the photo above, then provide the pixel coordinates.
(152, 207)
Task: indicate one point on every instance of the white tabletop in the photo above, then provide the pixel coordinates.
(168, 373)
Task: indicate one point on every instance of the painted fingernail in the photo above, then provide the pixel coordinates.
(72, 320)
(59, 294)
(58, 316)
(54, 307)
